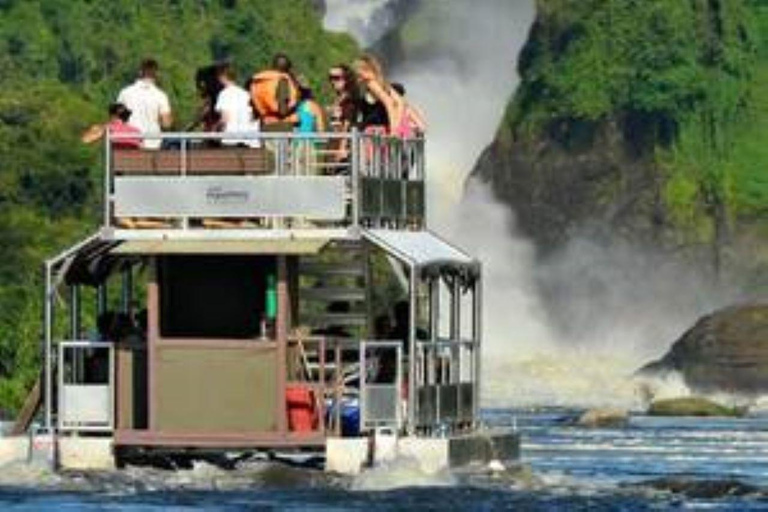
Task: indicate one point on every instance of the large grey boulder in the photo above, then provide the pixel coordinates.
(726, 351)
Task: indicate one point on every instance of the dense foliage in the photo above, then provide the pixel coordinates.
(61, 63)
(691, 74)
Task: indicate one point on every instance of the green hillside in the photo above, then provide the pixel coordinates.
(646, 118)
(61, 63)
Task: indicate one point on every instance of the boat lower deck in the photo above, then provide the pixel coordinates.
(212, 440)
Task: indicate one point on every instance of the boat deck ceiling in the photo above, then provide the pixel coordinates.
(92, 260)
(265, 246)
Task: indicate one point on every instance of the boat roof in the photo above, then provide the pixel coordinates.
(420, 249)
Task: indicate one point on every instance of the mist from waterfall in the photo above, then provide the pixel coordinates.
(367, 20)
(615, 308)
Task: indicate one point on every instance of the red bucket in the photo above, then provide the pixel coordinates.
(302, 414)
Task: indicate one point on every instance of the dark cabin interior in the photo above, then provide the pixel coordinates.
(213, 296)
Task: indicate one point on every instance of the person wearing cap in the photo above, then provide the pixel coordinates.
(149, 105)
(129, 137)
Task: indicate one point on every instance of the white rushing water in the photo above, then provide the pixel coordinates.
(366, 20)
(620, 306)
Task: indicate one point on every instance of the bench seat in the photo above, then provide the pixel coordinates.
(230, 161)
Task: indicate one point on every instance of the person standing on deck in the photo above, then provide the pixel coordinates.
(343, 112)
(414, 122)
(151, 110)
(234, 108)
(275, 96)
(311, 120)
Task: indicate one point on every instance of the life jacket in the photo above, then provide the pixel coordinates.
(265, 92)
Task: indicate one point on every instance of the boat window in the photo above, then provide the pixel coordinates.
(214, 296)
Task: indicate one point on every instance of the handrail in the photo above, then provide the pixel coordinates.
(85, 344)
(255, 136)
(377, 181)
(444, 342)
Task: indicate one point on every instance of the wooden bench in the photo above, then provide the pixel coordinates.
(230, 161)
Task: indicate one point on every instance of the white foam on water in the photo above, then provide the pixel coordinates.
(398, 473)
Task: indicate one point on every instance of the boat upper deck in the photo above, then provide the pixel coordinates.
(267, 185)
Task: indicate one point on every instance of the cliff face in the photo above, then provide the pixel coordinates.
(596, 185)
(726, 351)
(639, 120)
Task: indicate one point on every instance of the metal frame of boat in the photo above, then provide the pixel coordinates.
(292, 206)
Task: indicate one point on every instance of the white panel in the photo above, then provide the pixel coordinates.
(315, 197)
(86, 404)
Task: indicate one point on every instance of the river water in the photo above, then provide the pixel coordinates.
(652, 464)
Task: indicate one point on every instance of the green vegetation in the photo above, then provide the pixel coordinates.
(689, 77)
(693, 406)
(61, 63)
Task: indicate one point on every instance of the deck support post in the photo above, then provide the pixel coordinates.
(153, 334)
(126, 291)
(74, 312)
(102, 295)
(283, 321)
(48, 334)
(356, 175)
(477, 334)
(454, 370)
(412, 316)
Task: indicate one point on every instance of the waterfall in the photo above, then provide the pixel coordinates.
(462, 73)
(457, 60)
(367, 20)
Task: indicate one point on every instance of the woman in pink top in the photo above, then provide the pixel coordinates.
(412, 122)
(129, 136)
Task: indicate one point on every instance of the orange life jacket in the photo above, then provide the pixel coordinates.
(264, 94)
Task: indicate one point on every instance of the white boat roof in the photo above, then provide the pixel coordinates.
(419, 248)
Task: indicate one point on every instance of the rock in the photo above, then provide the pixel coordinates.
(319, 6)
(597, 189)
(603, 418)
(701, 489)
(726, 351)
(693, 406)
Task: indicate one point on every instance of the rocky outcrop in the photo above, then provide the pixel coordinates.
(577, 178)
(693, 406)
(603, 418)
(726, 351)
(700, 489)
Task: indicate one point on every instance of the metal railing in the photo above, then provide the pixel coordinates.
(264, 180)
(446, 381)
(381, 385)
(86, 386)
(339, 369)
(329, 368)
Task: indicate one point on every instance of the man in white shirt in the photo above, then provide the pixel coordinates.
(151, 111)
(234, 107)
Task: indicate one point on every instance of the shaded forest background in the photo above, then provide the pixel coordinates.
(61, 63)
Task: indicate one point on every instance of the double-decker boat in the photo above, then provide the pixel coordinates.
(286, 298)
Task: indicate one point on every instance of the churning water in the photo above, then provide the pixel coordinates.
(715, 464)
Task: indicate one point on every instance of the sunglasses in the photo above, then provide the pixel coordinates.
(335, 78)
